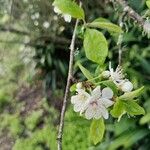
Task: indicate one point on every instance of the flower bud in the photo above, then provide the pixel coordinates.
(57, 10)
(67, 17)
(105, 74)
(79, 85)
(127, 86)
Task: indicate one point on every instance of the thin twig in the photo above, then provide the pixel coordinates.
(120, 38)
(127, 10)
(131, 13)
(70, 74)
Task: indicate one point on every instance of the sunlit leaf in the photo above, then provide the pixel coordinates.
(133, 108)
(73, 88)
(118, 109)
(86, 73)
(95, 45)
(148, 3)
(132, 95)
(145, 119)
(97, 130)
(101, 19)
(105, 25)
(69, 7)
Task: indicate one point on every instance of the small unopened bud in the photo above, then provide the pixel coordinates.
(57, 10)
(105, 74)
(79, 85)
(67, 17)
(127, 86)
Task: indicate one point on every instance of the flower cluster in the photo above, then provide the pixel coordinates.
(118, 78)
(94, 104)
(66, 17)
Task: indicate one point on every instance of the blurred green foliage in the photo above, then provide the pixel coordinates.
(34, 45)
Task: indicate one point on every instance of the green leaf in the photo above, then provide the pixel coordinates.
(97, 130)
(105, 25)
(69, 7)
(118, 109)
(111, 85)
(148, 3)
(132, 95)
(133, 108)
(73, 88)
(128, 138)
(129, 106)
(95, 45)
(101, 19)
(145, 119)
(86, 73)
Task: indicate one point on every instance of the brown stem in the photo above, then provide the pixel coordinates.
(130, 12)
(70, 74)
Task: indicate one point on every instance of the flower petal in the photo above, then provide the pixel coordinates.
(77, 107)
(83, 92)
(89, 113)
(96, 93)
(98, 114)
(104, 112)
(106, 102)
(127, 86)
(84, 106)
(107, 93)
(74, 99)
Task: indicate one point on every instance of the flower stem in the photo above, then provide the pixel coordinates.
(70, 74)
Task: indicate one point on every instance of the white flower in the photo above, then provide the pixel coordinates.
(116, 76)
(79, 100)
(127, 86)
(146, 28)
(106, 74)
(66, 17)
(97, 104)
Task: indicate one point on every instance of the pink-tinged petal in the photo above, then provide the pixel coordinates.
(89, 113)
(107, 93)
(77, 107)
(98, 114)
(84, 106)
(106, 102)
(104, 112)
(96, 93)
